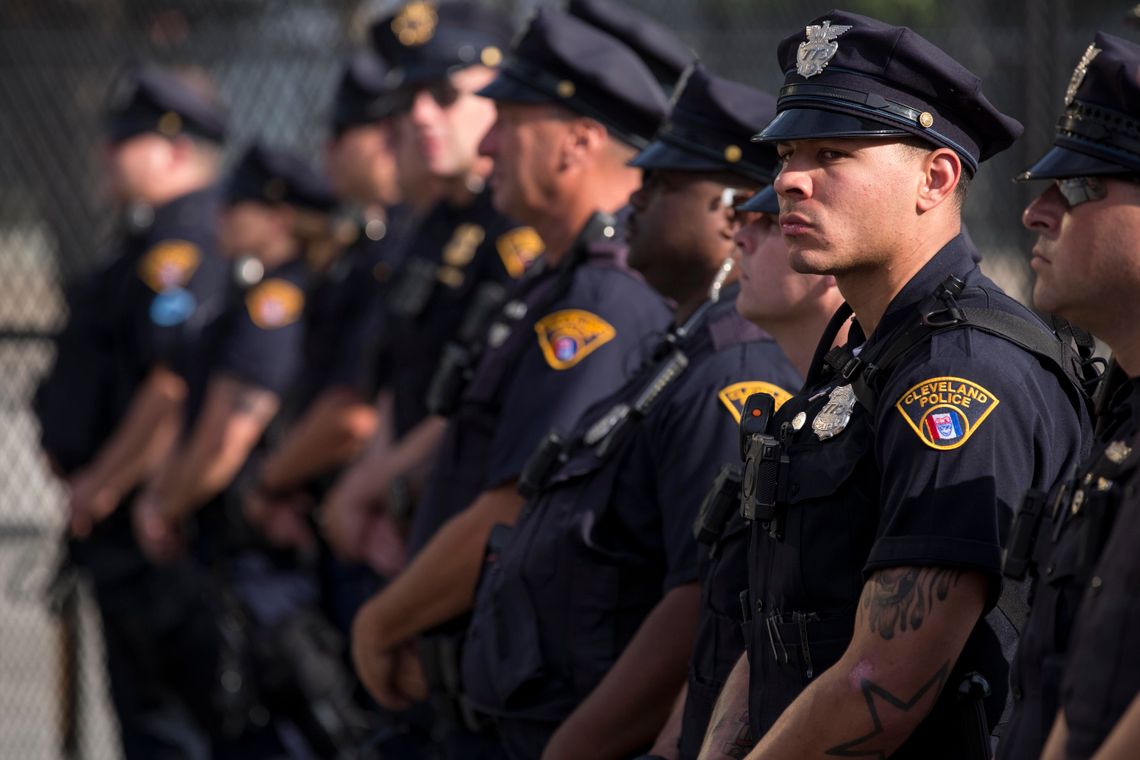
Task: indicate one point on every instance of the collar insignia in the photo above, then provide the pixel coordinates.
(415, 24)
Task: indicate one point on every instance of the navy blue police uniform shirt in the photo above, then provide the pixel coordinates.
(1064, 556)
(453, 253)
(148, 305)
(345, 307)
(611, 533)
(568, 350)
(1102, 677)
(965, 424)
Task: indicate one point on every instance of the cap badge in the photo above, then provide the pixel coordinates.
(818, 50)
(1079, 73)
(415, 24)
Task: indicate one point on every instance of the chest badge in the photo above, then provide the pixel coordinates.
(1117, 451)
(835, 414)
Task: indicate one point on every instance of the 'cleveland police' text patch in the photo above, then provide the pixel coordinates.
(945, 411)
(170, 264)
(734, 396)
(569, 336)
(275, 303)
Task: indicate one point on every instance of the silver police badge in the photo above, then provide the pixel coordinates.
(835, 414)
(814, 54)
(1079, 73)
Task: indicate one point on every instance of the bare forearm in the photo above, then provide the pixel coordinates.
(728, 736)
(626, 710)
(333, 430)
(1055, 745)
(1124, 738)
(440, 583)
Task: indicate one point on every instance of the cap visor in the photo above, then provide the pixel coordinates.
(812, 123)
(765, 202)
(508, 89)
(662, 155)
(1062, 162)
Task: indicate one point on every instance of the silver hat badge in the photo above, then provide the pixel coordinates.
(1079, 73)
(818, 50)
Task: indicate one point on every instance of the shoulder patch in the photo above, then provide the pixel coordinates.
(734, 396)
(945, 411)
(569, 336)
(464, 242)
(518, 249)
(275, 303)
(169, 264)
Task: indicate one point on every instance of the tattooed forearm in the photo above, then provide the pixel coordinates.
(898, 600)
(742, 743)
(885, 709)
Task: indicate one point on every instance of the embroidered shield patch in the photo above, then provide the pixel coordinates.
(518, 248)
(734, 396)
(275, 303)
(170, 264)
(569, 336)
(945, 411)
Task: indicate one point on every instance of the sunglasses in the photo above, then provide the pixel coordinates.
(1078, 190)
(442, 92)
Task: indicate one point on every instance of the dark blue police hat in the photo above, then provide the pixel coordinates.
(710, 127)
(661, 50)
(363, 96)
(425, 41)
(561, 59)
(271, 175)
(1099, 132)
(148, 99)
(848, 75)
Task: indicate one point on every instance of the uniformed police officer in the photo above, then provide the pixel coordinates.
(1087, 223)
(880, 495)
(112, 405)
(463, 253)
(583, 624)
(573, 103)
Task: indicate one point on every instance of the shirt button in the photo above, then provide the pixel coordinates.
(1051, 569)
(1096, 583)
(759, 605)
(1017, 695)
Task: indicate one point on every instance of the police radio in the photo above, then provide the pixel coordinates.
(1018, 556)
(457, 362)
(765, 463)
(716, 509)
(541, 464)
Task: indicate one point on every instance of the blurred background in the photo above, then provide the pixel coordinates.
(275, 63)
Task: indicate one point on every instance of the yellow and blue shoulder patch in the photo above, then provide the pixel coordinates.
(169, 264)
(275, 303)
(945, 411)
(569, 336)
(518, 249)
(734, 396)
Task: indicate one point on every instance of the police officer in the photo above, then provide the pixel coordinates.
(463, 252)
(1086, 223)
(879, 495)
(573, 103)
(583, 625)
(111, 406)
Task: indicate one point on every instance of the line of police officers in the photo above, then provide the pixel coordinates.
(609, 424)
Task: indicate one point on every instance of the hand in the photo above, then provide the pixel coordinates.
(383, 548)
(384, 671)
(280, 519)
(345, 513)
(410, 673)
(159, 537)
(89, 503)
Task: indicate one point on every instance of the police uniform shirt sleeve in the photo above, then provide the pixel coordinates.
(962, 432)
(179, 305)
(264, 343)
(582, 350)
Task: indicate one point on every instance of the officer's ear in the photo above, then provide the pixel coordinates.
(584, 139)
(942, 171)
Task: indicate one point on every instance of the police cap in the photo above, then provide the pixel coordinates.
(363, 96)
(271, 175)
(425, 41)
(1099, 131)
(848, 75)
(149, 99)
(661, 50)
(709, 128)
(561, 59)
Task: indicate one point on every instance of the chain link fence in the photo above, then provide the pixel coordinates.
(275, 62)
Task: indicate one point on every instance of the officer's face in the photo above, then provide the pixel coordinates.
(770, 291)
(248, 228)
(362, 165)
(449, 120)
(137, 166)
(1085, 254)
(844, 203)
(680, 228)
(525, 145)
